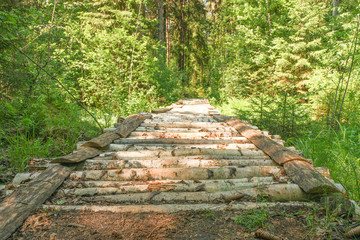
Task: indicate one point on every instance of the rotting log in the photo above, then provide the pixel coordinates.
(101, 141)
(185, 124)
(168, 162)
(130, 124)
(162, 110)
(181, 141)
(123, 130)
(226, 184)
(145, 174)
(299, 169)
(78, 156)
(214, 186)
(188, 135)
(274, 192)
(169, 208)
(17, 207)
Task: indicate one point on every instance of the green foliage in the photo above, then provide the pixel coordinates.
(339, 151)
(253, 219)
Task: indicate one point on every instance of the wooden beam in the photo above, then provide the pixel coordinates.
(101, 141)
(78, 156)
(18, 206)
(299, 169)
(161, 110)
(130, 124)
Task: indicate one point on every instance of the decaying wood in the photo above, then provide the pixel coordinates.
(296, 167)
(130, 124)
(310, 180)
(263, 234)
(181, 141)
(78, 156)
(144, 174)
(169, 208)
(101, 141)
(185, 124)
(147, 135)
(275, 192)
(170, 162)
(353, 232)
(17, 207)
(162, 110)
(234, 197)
(187, 152)
(174, 186)
(140, 147)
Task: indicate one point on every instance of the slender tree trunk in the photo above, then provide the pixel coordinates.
(335, 7)
(168, 39)
(161, 21)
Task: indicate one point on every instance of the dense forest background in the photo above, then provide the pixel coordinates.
(69, 68)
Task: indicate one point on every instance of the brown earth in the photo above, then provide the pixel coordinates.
(289, 223)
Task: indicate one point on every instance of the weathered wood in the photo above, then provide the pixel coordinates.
(169, 208)
(101, 141)
(234, 197)
(187, 135)
(274, 192)
(310, 180)
(169, 162)
(229, 183)
(138, 147)
(185, 124)
(17, 207)
(79, 156)
(186, 152)
(181, 141)
(189, 186)
(145, 174)
(296, 167)
(162, 110)
(130, 124)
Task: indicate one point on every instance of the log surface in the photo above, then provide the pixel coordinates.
(299, 169)
(79, 156)
(18, 206)
(130, 124)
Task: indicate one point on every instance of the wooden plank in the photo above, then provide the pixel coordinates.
(123, 130)
(78, 156)
(299, 169)
(161, 110)
(310, 180)
(130, 124)
(18, 206)
(101, 141)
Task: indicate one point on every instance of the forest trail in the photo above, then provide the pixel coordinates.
(179, 159)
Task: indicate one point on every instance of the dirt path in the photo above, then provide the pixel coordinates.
(290, 223)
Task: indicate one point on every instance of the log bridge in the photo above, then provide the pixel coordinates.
(186, 156)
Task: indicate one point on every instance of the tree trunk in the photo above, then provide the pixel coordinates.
(335, 7)
(161, 21)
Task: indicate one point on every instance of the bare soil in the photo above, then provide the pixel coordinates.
(289, 223)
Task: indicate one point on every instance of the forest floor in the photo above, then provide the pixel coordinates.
(288, 223)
